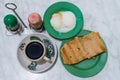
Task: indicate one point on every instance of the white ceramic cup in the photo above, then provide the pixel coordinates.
(35, 51)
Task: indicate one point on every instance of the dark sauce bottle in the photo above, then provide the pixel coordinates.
(12, 24)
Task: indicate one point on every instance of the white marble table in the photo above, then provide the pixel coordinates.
(99, 15)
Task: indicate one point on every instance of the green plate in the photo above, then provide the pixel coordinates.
(63, 6)
(89, 67)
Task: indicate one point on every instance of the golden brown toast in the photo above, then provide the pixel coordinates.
(82, 48)
(92, 44)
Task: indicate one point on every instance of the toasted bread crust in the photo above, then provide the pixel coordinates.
(82, 48)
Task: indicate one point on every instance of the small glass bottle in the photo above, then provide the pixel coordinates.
(35, 21)
(12, 24)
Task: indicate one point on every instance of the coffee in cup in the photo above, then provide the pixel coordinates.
(36, 51)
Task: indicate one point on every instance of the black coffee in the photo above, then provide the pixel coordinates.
(34, 50)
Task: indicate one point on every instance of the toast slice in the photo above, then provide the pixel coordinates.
(82, 48)
(73, 52)
(92, 44)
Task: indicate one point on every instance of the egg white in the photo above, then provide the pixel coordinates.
(64, 22)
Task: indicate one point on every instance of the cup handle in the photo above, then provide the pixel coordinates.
(47, 59)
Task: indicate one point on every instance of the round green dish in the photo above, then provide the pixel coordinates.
(63, 6)
(89, 67)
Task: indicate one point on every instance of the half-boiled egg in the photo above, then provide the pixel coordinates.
(63, 21)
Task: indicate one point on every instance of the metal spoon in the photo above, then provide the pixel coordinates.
(13, 7)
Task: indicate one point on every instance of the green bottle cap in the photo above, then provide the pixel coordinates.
(10, 21)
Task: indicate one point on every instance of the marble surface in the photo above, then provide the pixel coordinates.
(99, 15)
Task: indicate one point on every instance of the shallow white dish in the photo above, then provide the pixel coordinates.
(42, 66)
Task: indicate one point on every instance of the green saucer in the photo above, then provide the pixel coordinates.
(89, 67)
(63, 6)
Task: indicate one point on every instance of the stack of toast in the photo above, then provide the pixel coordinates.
(81, 48)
